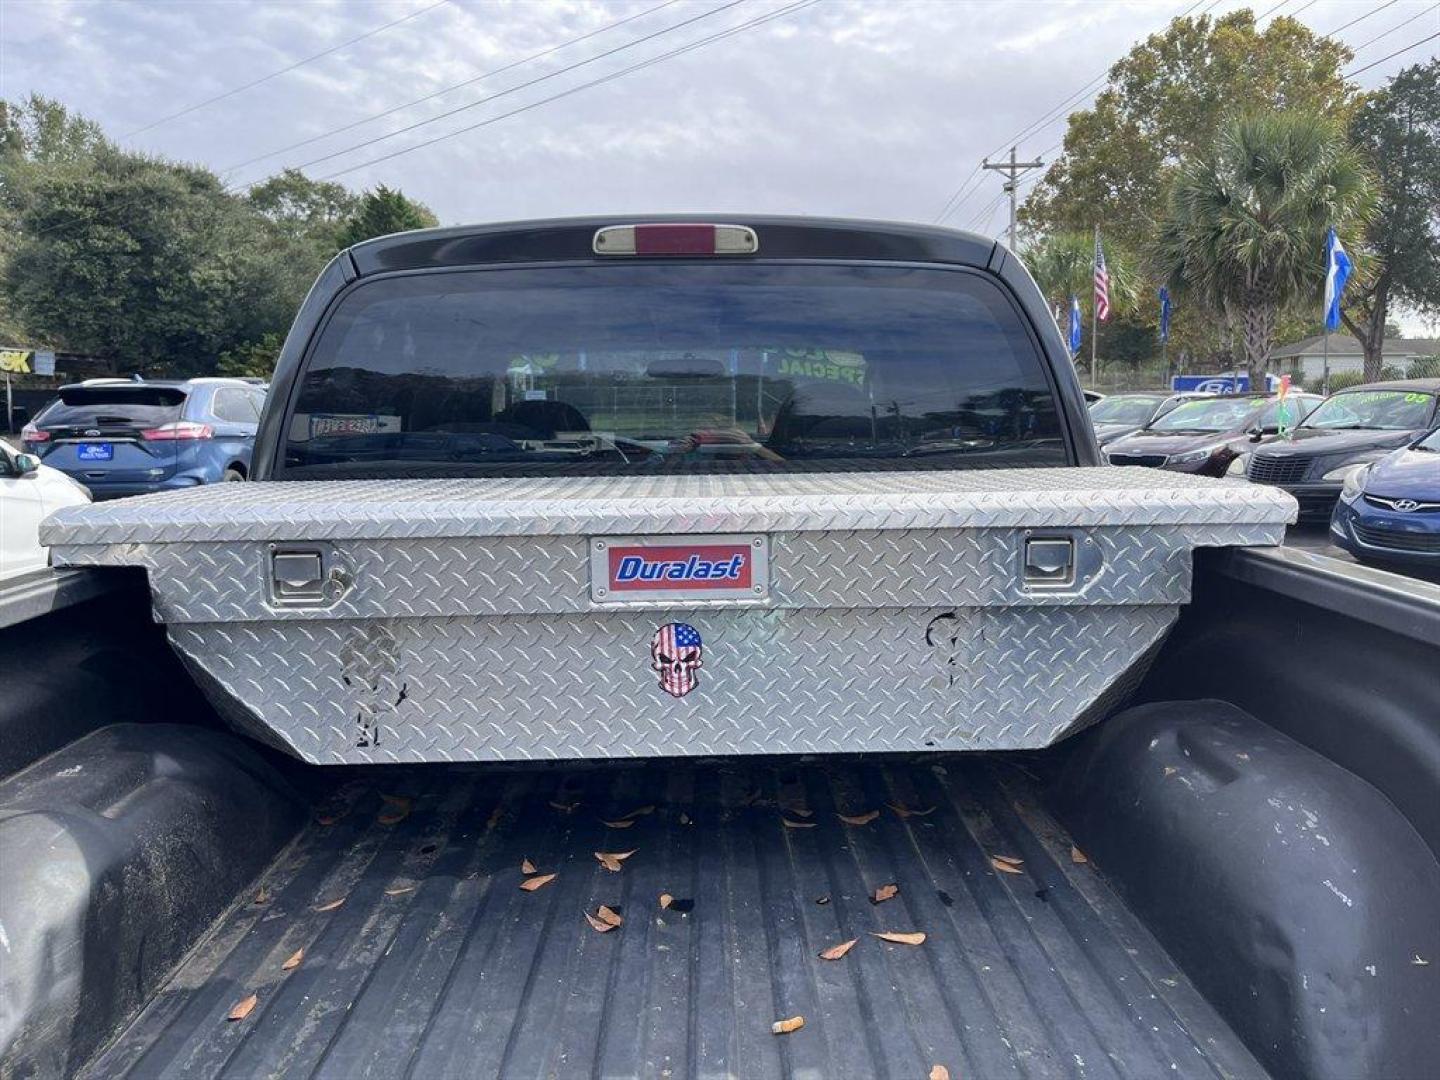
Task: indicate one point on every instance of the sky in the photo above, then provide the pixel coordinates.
(839, 107)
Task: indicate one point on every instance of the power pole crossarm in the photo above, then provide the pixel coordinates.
(1012, 170)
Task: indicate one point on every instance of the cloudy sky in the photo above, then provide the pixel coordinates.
(837, 107)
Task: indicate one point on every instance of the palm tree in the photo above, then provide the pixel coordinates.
(1064, 264)
(1244, 227)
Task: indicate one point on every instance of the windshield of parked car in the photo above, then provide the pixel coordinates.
(710, 367)
(1124, 409)
(1383, 410)
(1206, 414)
(86, 406)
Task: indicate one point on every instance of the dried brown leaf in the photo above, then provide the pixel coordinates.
(1171, 770)
(796, 824)
(666, 900)
(900, 938)
(600, 926)
(622, 824)
(611, 860)
(526, 866)
(939, 1072)
(800, 811)
(1011, 859)
(530, 884)
(332, 905)
(608, 915)
(400, 890)
(394, 815)
(293, 961)
(785, 1027)
(641, 811)
(327, 819)
(400, 802)
(564, 807)
(835, 952)
(859, 819)
(905, 811)
(1077, 856)
(885, 892)
(243, 1008)
(1005, 867)
(263, 896)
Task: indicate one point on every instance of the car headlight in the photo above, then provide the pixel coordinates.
(1237, 467)
(1341, 472)
(1353, 482)
(1190, 456)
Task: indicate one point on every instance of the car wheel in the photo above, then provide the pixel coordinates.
(232, 475)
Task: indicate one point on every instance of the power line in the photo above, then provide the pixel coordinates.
(1397, 26)
(453, 86)
(1397, 52)
(282, 71)
(518, 86)
(1362, 18)
(798, 5)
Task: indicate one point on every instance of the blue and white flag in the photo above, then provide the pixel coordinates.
(1074, 324)
(1164, 314)
(1337, 272)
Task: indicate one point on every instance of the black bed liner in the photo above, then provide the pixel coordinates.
(438, 965)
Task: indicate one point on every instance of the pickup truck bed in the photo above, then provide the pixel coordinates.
(1261, 876)
(437, 964)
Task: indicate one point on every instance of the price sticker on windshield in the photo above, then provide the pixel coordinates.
(664, 569)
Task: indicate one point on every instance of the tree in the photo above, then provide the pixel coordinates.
(253, 360)
(1398, 131)
(1164, 103)
(384, 211)
(1064, 265)
(154, 265)
(1244, 227)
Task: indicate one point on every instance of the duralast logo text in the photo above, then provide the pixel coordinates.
(691, 566)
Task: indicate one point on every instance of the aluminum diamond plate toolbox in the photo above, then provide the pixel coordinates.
(390, 621)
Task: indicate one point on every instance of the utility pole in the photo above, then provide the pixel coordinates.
(1012, 170)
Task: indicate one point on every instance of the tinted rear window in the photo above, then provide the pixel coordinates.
(685, 367)
(96, 407)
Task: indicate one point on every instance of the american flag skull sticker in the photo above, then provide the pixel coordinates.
(675, 655)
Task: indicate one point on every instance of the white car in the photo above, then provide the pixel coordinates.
(29, 492)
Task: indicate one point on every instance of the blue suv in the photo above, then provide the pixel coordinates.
(130, 437)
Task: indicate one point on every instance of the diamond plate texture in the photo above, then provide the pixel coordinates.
(590, 506)
(527, 687)
(206, 582)
(897, 620)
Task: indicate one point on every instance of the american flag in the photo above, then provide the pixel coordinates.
(1102, 282)
(677, 644)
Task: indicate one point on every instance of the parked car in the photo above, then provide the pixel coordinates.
(126, 437)
(1389, 512)
(1205, 435)
(1119, 415)
(1353, 427)
(29, 492)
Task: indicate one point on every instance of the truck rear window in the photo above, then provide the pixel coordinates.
(639, 368)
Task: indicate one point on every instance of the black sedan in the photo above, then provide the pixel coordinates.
(1353, 427)
(1205, 435)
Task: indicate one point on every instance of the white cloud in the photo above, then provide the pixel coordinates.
(848, 107)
